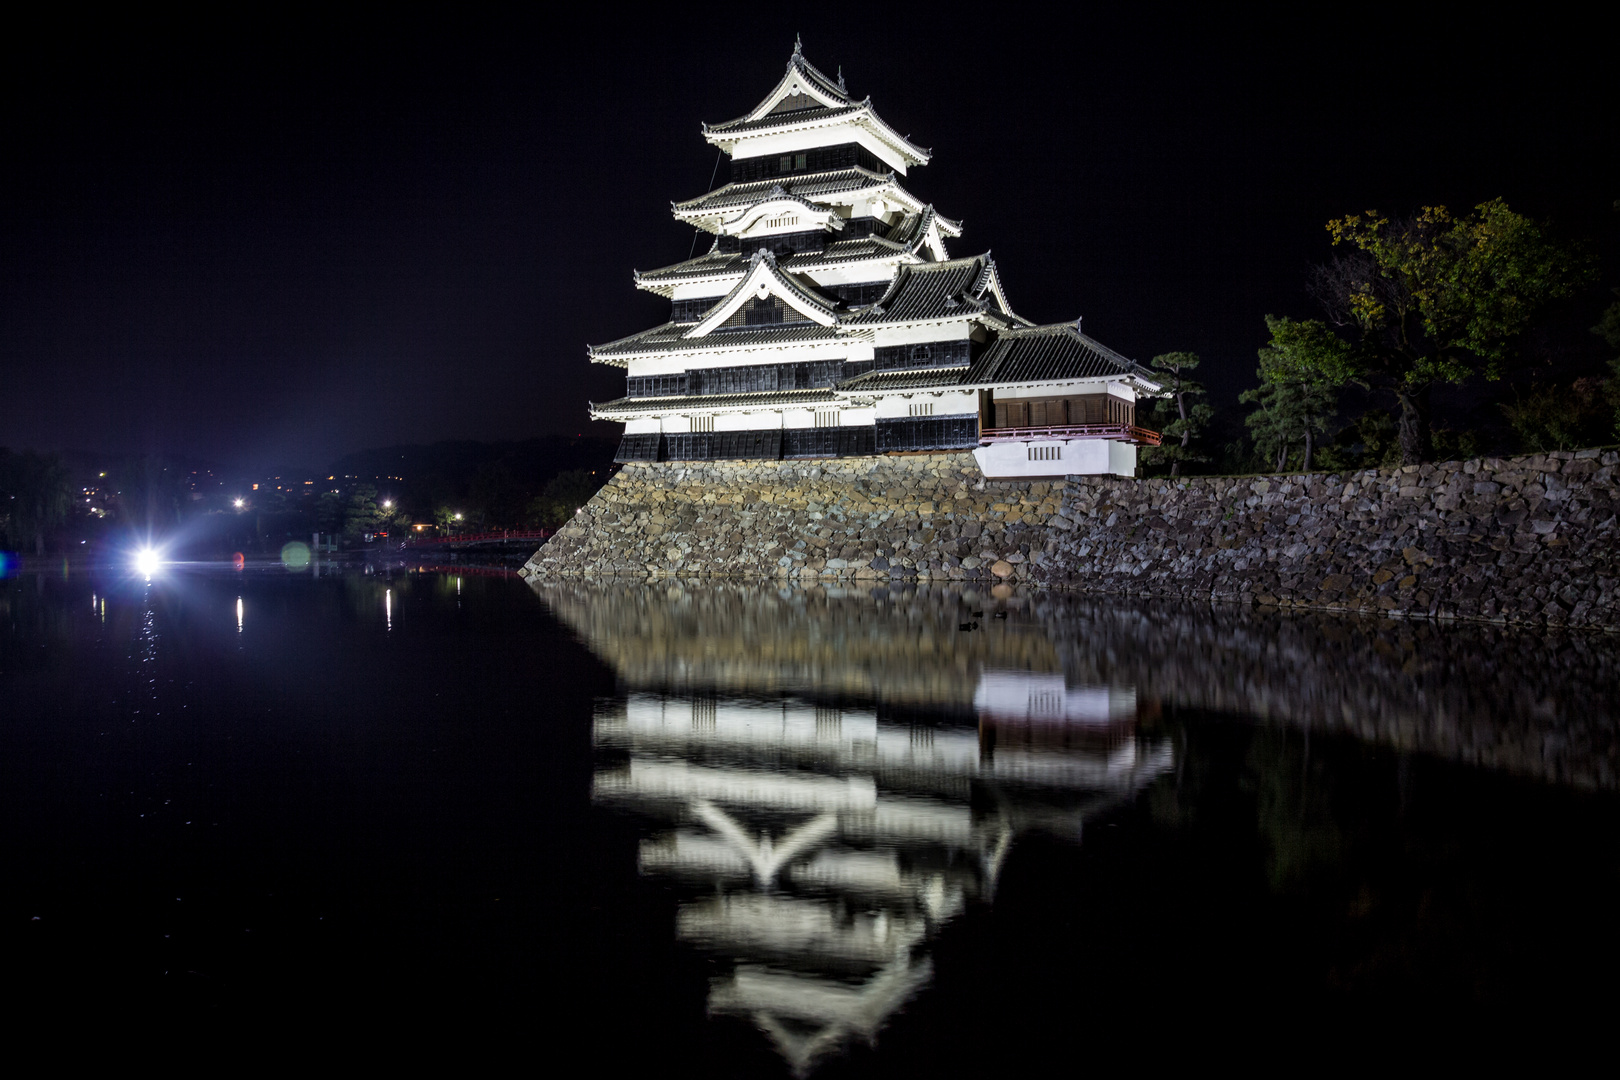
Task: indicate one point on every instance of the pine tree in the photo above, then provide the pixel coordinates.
(1179, 418)
(1298, 394)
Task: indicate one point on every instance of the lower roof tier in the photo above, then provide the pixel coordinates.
(1055, 355)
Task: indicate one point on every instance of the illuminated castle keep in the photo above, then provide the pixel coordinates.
(827, 319)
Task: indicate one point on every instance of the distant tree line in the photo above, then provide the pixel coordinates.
(46, 505)
(1409, 306)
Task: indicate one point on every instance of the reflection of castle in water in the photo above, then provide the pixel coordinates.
(828, 847)
(825, 839)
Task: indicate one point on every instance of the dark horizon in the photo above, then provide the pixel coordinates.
(316, 243)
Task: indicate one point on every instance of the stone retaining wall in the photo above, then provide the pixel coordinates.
(1529, 539)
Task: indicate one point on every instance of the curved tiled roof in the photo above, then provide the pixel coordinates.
(1058, 351)
(714, 401)
(882, 381)
(791, 290)
(716, 262)
(671, 338)
(924, 292)
(807, 73)
(804, 185)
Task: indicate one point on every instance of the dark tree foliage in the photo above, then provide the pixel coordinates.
(36, 495)
(1178, 414)
(1299, 389)
(1436, 299)
(564, 495)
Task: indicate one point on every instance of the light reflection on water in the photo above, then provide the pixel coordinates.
(828, 794)
(828, 778)
(824, 848)
(794, 830)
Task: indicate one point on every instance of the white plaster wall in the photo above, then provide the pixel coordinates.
(676, 425)
(1079, 457)
(862, 274)
(858, 418)
(714, 289)
(957, 330)
(832, 135)
(746, 421)
(798, 418)
(1049, 389)
(892, 406)
(645, 425)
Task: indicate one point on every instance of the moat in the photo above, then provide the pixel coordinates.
(836, 830)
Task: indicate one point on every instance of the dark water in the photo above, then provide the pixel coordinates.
(698, 827)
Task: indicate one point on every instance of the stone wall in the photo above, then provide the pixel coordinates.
(1529, 539)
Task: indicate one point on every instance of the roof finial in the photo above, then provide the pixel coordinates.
(798, 49)
(841, 77)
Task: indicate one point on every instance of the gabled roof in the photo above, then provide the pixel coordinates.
(778, 201)
(802, 87)
(837, 186)
(718, 264)
(807, 98)
(926, 230)
(932, 292)
(874, 382)
(1058, 351)
(765, 279)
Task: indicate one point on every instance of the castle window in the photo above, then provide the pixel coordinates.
(922, 410)
(763, 312)
(702, 423)
(782, 222)
(1046, 452)
(921, 352)
(827, 419)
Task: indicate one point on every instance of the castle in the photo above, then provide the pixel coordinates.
(827, 319)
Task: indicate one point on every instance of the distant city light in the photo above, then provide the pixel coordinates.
(239, 503)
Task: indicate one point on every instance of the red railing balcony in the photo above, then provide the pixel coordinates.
(1123, 432)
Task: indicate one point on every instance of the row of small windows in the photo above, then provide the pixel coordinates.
(702, 423)
(921, 409)
(747, 378)
(782, 222)
(819, 159)
(901, 435)
(1046, 452)
(926, 354)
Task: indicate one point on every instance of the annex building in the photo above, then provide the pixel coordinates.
(829, 318)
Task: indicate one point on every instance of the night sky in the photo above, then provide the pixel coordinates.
(274, 242)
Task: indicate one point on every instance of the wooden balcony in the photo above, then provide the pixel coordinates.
(1140, 436)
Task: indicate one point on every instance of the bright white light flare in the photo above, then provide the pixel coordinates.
(148, 561)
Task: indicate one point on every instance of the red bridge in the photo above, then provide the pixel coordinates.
(499, 536)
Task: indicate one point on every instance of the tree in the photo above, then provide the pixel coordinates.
(564, 494)
(1559, 417)
(1609, 330)
(1300, 372)
(37, 492)
(1437, 299)
(360, 515)
(1178, 417)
